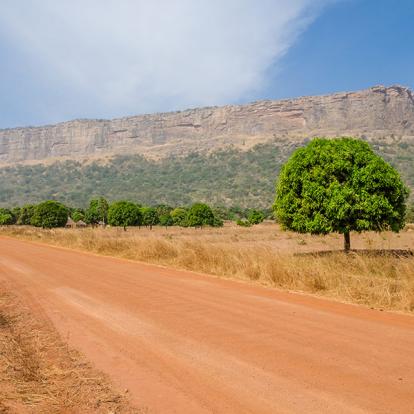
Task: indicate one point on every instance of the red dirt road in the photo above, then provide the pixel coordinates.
(187, 343)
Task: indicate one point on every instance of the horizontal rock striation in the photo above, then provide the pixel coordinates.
(376, 113)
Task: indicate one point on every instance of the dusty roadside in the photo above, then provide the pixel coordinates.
(39, 373)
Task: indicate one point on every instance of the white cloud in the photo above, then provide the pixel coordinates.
(115, 57)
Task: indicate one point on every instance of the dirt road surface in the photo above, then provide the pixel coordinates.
(187, 343)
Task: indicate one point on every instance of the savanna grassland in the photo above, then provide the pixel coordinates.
(380, 275)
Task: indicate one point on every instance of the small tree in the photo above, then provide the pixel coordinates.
(339, 185)
(26, 214)
(179, 216)
(77, 215)
(149, 216)
(6, 217)
(123, 214)
(166, 220)
(97, 211)
(200, 215)
(50, 214)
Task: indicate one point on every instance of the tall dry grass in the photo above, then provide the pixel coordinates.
(264, 255)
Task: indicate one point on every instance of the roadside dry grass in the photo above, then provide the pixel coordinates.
(40, 374)
(262, 254)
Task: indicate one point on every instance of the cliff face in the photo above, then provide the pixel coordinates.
(375, 113)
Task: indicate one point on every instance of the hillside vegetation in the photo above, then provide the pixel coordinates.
(228, 177)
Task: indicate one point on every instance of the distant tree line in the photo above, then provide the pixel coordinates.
(52, 214)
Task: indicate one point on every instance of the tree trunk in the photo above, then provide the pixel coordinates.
(347, 241)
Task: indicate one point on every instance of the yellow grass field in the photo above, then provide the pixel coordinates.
(261, 254)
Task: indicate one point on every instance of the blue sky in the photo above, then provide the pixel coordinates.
(352, 45)
(109, 58)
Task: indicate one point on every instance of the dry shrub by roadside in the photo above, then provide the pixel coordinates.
(377, 281)
(40, 374)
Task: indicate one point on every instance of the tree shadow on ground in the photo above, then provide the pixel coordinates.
(399, 253)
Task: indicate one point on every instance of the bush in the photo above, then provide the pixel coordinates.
(255, 217)
(243, 223)
(50, 214)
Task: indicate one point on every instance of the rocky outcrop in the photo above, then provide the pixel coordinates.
(376, 113)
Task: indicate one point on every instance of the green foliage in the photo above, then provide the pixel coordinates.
(97, 211)
(217, 222)
(50, 214)
(200, 215)
(243, 222)
(149, 216)
(77, 214)
(26, 214)
(229, 177)
(339, 185)
(123, 214)
(6, 217)
(166, 220)
(226, 177)
(163, 209)
(179, 216)
(255, 217)
(16, 213)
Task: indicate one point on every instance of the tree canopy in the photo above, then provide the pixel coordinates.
(123, 214)
(200, 215)
(6, 217)
(50, 214)
(97, 211)
(149, 216)
(339, 185)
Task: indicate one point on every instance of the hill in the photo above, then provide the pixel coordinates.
(228, 177)
(223, 155)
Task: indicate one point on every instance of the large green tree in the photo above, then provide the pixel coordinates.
(123, 214)
(339, 185)
(50, 214)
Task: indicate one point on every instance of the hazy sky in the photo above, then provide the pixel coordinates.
(107, 58)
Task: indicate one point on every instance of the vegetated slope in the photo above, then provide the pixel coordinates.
(229, 177)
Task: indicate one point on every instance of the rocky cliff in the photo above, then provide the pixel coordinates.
(376, 113)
